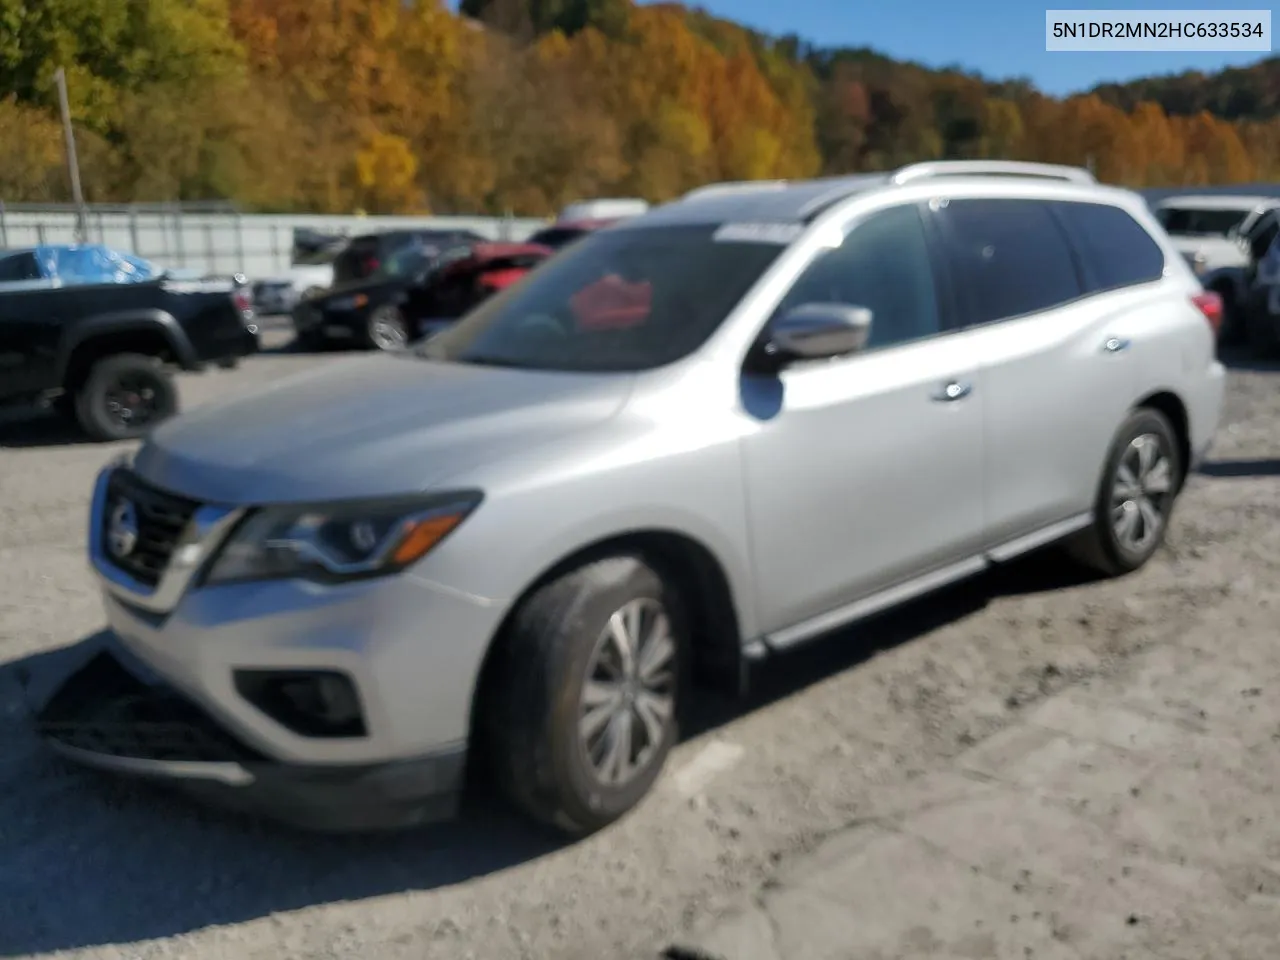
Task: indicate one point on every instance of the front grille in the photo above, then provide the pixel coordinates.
(159, 519)
(104, 709)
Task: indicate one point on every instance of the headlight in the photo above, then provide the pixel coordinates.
(348, 303)
(346, 541)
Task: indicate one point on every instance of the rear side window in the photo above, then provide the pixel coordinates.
(1115, 251)
(1008, 258)
(21, 266)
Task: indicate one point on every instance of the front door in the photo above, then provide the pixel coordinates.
(28, 329)
(866, 471)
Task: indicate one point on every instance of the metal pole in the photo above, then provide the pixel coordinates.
(4, 228)
(73, 164)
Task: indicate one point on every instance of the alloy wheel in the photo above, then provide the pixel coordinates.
(628, 697)
(387, 330)
(1141, 493)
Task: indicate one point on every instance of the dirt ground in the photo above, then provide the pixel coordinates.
(96, 868)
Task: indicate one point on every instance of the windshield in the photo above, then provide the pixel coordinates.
(404, 262)
(623, 300)
(1200, 223)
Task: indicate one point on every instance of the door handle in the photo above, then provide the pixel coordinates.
(953, 391)
(1115, 345)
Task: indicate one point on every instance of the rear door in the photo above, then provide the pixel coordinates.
(1058, 367)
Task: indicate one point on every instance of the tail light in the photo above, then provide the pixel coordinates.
(1210, 304)
(243, 301)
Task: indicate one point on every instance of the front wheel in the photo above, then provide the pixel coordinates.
(1140, 482)
(582, 709)
(124, 396)
(387, 329)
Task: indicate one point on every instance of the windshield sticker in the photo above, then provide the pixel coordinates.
(779, 233)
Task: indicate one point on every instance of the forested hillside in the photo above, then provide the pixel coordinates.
(522, 105)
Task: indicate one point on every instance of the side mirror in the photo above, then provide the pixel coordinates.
(819, 331)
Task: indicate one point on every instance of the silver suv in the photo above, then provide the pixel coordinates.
(693, 441)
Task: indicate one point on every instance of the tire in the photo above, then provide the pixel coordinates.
(557, 641)
(1101, 547)
(386, 329)
(129, 373)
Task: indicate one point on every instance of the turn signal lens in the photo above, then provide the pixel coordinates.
(422, 535)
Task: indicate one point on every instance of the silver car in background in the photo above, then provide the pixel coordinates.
(694, 440)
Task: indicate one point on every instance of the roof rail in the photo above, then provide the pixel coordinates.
(731, 187)
(991, 168)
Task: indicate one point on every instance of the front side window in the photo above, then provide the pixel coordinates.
(1009, 257)
(883, 265)
(624, 300)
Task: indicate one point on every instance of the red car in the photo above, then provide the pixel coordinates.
(469, 276)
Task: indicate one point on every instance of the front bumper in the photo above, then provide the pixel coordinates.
(410, 650)
(315, 323)
(104, 715)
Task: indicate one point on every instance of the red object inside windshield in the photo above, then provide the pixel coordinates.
(612, 304)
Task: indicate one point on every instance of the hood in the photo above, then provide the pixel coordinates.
(375, 426)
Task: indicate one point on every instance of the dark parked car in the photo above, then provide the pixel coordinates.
(367, 255)
(413, 294)
(564, 232)
(272, 297)
(102, 352)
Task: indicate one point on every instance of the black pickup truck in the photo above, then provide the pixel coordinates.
(103, 353)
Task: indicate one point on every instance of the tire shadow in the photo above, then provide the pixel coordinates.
(790, 672)
(38, 427)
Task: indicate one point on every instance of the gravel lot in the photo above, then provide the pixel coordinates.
(101, 869)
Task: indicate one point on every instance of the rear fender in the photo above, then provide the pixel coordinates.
(105, 325)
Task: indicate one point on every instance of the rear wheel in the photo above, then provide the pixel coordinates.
(1140, 483)
(581, 712)
(124, 396)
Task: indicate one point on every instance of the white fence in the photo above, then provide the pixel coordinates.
(257, 245)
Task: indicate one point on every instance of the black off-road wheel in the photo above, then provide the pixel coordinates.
(1140, 484)
(124, 396)
(582, 709)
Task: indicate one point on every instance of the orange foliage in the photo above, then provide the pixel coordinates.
(332, 105)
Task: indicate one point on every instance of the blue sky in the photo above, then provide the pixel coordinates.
(999, 38)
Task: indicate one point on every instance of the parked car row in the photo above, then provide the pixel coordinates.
(705, 435)
(395, 287)
(1233, 244)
